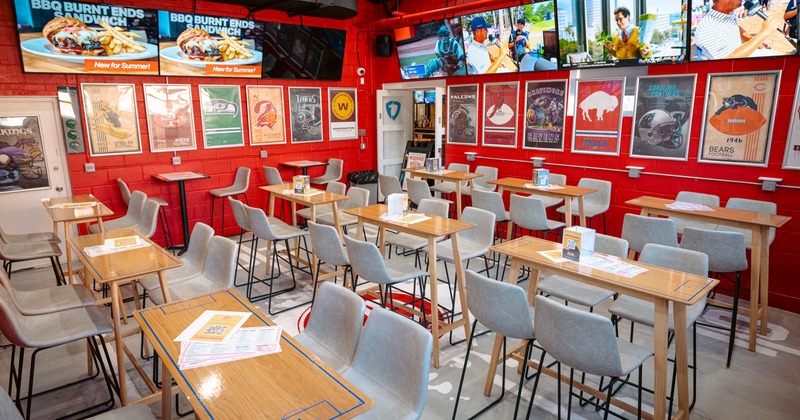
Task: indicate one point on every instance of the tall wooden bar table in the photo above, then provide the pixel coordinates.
(181, 178)
(303, 165)
(446, 175)
(757, 223)
(658, 285)
(565, 192)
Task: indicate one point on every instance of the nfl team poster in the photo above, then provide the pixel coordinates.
(738, 118)
(662, 116)
(265, 115)
(462, 114)
(112, 120)
(305, 108)
(545, 106)
(791, 159)
(170, 120)
(22, 159)
(343, 113)
(598, 116)
(221, 113)
(500, 114)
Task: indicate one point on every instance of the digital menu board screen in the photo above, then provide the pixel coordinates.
(218, 46)
(432, 49)
(86, 38)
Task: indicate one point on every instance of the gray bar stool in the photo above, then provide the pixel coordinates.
(239, 187)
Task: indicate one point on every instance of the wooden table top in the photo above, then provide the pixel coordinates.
(78, 213)
(718, 213)
(519, 184)
(444, 174)
(291, 384)
(307, 200)
(303, 163)
(180, 176)
(675, 286)
(123, 265)
(435, 226)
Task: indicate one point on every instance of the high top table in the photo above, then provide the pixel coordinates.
(181, 178)
(758, 223)
(565, 192)
(446, 175)
(303, 165)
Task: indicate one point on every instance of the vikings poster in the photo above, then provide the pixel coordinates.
(265, 115)
(22, 159)
(170, 123)
(598, 116)
(791, 159)
(545, 106)
(737, 120)
(462, 114)
(221, 112)
(500, 114)
(662, 116)
(305, 108)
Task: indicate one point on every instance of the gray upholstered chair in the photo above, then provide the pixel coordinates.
(148, 220)
(335, 187)
(492, 201)
(11, 253)
(750, 205)
(556, 179)
(357, 197)
(41, 332)
(327, 246)
(407, 242)
(273, 177)
(47, 300)
(162, 205)
(530, 213)
(482, 184)
(726, 253)
(586, 342)
(193, 259)
(642, 230)
(394, 377)
(449, 187)
(697, 198)
(594, 204)
(334, 326)
(389, 184)
(502, 308)
(27, 238)
(240, 185)
(131, 217)
(333, 172)
(419, 190)
(240, 215)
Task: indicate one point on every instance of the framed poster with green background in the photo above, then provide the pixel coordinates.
(221, 113)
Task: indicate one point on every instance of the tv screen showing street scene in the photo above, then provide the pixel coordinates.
(734, 29)
(432, 49)
(599, 33)
(533, 42)
(486, 37)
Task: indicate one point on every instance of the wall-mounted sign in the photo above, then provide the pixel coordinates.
(112, 120)
(221, 112)
(343, 114)
(266, 115)
(69, 107)
(170, 119)
(305, 107)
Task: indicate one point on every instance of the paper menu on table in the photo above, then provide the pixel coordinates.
(214, 326)
(79, 205)
(244, 343)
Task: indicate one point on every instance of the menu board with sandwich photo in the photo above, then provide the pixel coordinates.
(87, 38)
(199, 45)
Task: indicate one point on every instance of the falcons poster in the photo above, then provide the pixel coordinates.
(170, 122)
(737, 120)
(500, 114)
(265, 115)
(462, 114)
(305, 108)
(598, 116)
(544, 115)
(662, 116)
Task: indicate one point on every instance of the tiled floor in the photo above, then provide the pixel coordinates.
(764, 384)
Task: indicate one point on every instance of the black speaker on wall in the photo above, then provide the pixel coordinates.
(383, 45)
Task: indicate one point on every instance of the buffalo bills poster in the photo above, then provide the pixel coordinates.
(305, 109)
(221, 112)
(462, 112)
(265, 114)
(170, 122)
(500, 114)
(545, 106)
(738, 118)
(662, 117)
(598, 116)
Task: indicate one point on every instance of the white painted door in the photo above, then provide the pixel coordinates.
(41, 165)
(395, 127)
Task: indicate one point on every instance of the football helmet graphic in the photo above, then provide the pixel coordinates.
(660, 128)
(306, 121)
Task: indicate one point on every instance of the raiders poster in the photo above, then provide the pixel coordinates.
(305, 107)
(545, 107)
(462, 114)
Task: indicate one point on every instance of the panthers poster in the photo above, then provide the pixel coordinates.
(221, 112)
(737, 120)
(500, 114)
(305, 108)
(170, 120)
(545, 106)
(662, 117)
(265, 115)
(462, 114)
(597, 118)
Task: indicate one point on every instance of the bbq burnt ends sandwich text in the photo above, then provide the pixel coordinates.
(198, 44)
(72, 36)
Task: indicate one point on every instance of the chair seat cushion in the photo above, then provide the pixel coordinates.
(444, 250)
(631, 356)
(444, 187)
(195, 286)
(123, 222)
(550, 201)
(327, 355)
(131, 412)
(227, 191)
(409, 242)
(27, 238)
(53, 299)
(748, 235)
(344, 219)
(282, 230)
(174, 275)
(643, 312)
(320, 210)
(590, 210)
(63, 327)
(387, 405)
(468, 190)
(574, 291)
(401, 271)
(24, 252)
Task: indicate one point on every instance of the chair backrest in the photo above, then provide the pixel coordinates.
(579, 339)
(558, 179)
(698, 198)
(198, 245)
(220, 263)
(684, 260)
(418, 190)
(136, 205)
(610, 245)
(5, 283)
(334, 169)
(326, 244)
(12, 321)
(489, 174)
(148, 220)
(272, 175)
(501, 307)
(601, 198)
(528, 212)
(640, 230)
(433, 207)
(757, 206)
(367, 261)
(359, 197)
(124, 190)
(259, 223)
(482, 234)
(461, 167)
(726, 250)
(336, 187)
(490, 201)
(8, 411)
(242, 180)
(336, 319)
(389, 184)
(400, 369)
(239, 214)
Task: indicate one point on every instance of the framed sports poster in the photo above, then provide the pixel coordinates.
(265, 114)
(221, 112)
(738, 118)
(462, 114)
(662, 117)
(305, 108)
(112, 120)
(791, 159)
(545, 108)
(170, 119)
(343, 106)
(500, 114)
(22, 159)
(597, 121)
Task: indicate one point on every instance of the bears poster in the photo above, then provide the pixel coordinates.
(662, 117)
(462, 114)
(598, 116)
(265, 115)
(737, 121)
(305, 107)
(500, 114)
(545, 106)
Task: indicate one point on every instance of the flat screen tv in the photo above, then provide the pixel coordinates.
(607, 33)
(486, 36)
(431, 49)
(533, 42)
(302, 52)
